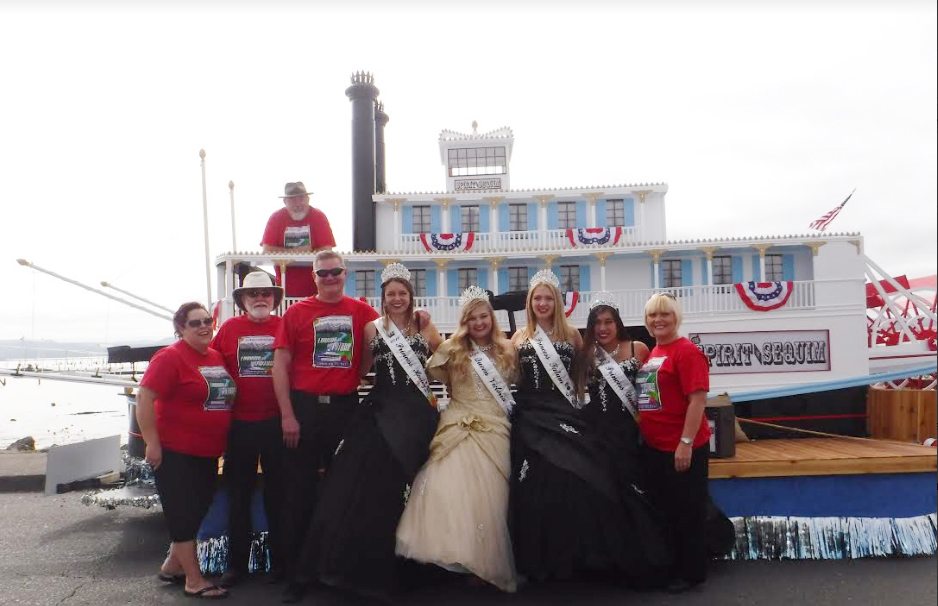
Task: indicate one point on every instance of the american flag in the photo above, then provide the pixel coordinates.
(822, 223)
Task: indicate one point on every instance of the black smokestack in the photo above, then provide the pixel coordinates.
(362, 93)
(381, 120)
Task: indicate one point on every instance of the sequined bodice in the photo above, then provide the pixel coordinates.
(387, 369)
(533, 375)
(602, 395)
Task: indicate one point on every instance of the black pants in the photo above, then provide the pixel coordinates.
(682, 497)
(321, 428)
(249, 441)
(186, 485)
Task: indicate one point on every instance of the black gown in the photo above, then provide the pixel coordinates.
(352, 537)
(618, 438)
(567, 513)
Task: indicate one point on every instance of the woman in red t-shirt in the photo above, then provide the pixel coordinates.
(672, 389)
(184, 410)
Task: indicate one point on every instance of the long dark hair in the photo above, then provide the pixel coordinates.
(179, 318)
(586, 358)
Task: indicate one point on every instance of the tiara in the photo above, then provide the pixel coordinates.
(545, 276)
(604, 298)
(395, 270)
(471, 294)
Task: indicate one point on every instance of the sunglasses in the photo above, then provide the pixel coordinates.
(334, 272)
(260, 293)
(198, 323)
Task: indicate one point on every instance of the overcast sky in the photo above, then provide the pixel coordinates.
(758, 119)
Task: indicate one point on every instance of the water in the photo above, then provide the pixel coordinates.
(56, 412)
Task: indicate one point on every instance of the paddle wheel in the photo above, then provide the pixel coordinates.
(900, 313)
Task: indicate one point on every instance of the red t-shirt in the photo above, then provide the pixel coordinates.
(325, 340)
(671, 373)
(312, 230)
(248, 350)
(194, 395)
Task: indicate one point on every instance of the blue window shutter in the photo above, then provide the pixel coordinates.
(584, 277)
(660, 275)
(378, 283)
(482, 275)
(455, 219)
(756, 274)
(503, 222)
(552, 221)
(452, 283)
(532, 216)
(601, 220)
(788, 267)
(531, 272)
(737, 270)
(407, 223)
(435, 219)
(581, 214)
(431, 282)
(687, 272)
(484, 218)
(628, 209)
(703, 272)
(502, 281)
(652, 267)
(350, 286)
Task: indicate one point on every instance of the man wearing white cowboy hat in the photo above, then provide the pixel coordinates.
(246, 344)
(298, 228)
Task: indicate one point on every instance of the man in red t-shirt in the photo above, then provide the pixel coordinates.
(317, 369)
(297, 228)
(246, 342)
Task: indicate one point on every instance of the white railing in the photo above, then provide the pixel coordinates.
(518, 241)
(695, 301)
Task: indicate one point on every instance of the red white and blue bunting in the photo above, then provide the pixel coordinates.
(764, 296)
(570, 299)
(448, 242)
(585, 236)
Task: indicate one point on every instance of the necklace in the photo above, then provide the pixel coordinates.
(484, 348)
(614, 353)
(406, 329)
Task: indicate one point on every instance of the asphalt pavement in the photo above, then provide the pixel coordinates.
(55, 550)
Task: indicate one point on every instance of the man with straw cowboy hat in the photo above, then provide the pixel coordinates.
(246, 344)
(297, 228)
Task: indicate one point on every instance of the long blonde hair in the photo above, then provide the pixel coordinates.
(562, 330)
(503, 354)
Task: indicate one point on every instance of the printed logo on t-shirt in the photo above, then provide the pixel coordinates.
(221, 388)
(296, 236)
(333, 342)
(646, 383)
(255, 355)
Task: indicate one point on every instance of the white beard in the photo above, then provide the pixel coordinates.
(259, 312)
(298, 216)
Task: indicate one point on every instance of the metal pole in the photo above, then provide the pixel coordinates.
(234, 241)
(132, 295)
(26, 263)
(208, 264)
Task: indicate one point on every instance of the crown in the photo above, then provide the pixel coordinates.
(603, 298)
(545, 276)
(395, 270)
(471, 294)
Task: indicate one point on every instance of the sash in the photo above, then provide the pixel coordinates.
(617, 380)
(493, 380)
(405, 356)
(554, 366)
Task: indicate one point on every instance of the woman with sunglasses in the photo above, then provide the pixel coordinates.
(456, 506)
(352, 538)
(606, 369)
(184, 413)
(672, 391)
(565, 514)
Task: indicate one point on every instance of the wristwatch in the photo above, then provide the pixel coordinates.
(687, 441)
